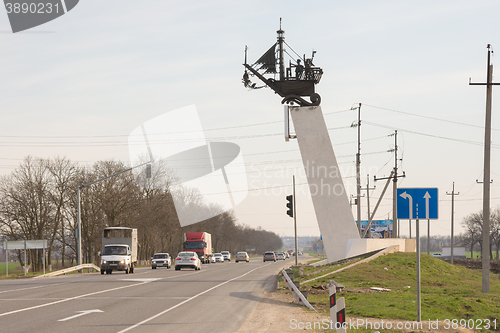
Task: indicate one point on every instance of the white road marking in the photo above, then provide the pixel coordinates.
(82, 313)
(47, 285)
(69, 299)
(85, 295)
(141, 280)
(189, 299)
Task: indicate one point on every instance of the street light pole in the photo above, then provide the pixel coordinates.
(295, 224)
(79, 230)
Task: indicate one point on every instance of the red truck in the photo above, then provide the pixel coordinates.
(199, 242)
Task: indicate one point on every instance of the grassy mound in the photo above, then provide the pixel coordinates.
(448, 292)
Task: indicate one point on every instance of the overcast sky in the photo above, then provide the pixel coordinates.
(77, 86)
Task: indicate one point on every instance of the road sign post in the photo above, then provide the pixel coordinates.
(418, 203)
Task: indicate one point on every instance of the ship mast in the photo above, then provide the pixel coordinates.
(281, 38)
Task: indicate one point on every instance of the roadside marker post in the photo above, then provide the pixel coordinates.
(333, 301)
(340, 316)
(337, 308)
(295, 291)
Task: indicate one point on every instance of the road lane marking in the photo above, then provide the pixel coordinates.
(81, 296)
(69, 299)
(189, 299)
(46, 285)
(82, 313)
(141, 280)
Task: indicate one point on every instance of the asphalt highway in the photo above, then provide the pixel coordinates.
(218, 298)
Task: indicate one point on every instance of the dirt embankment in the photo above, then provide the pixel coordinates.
(476, 264)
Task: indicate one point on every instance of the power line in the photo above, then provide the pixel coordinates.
(429, 117)
(430, 135)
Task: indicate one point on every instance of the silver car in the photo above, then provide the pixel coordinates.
(187, 260)
(242, 256)
(269, 256)
(161, 260)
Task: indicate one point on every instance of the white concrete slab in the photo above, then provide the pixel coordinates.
(329, 197)
(365, 245)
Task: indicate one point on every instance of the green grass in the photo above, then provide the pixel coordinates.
(15, 269)
(477, 254)
(12, 268)
(447, 292)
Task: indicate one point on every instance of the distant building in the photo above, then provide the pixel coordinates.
(458, 252)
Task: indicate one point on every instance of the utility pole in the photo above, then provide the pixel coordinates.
(395, 176)
(486, 175)
(378, 203)
(395, 227)
(368, 188)
(452, 214)
(358, 176)
(395, 232)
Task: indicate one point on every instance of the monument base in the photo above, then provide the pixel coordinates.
(359, 246)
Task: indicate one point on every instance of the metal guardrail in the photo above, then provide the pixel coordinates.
(70, 269)
(295, 291)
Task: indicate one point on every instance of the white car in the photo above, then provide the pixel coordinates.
(187, 259)
(161, 260)
(242, 256)
(226, 255)
(218, 257)
(280, 256)
(212, 259)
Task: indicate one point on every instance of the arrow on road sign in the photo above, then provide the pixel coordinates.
(427, 196)
(407, 196)
(82, 313)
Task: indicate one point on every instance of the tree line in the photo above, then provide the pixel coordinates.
(473, 236)
(38, 200)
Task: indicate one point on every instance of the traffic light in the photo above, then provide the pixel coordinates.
(289, 204)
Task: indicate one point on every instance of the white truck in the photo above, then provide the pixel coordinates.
(119, 250)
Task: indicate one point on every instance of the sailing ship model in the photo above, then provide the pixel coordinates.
(294, 82)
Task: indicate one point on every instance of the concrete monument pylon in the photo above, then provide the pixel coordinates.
(330, 200)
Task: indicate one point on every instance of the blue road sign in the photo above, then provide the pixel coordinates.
(417, 203)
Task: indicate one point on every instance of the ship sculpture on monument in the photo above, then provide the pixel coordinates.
(294, 82)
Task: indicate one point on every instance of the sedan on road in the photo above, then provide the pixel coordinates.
(269, 256)
(161, 260)
(242, 256)
(187, 259)
(280, 256)
(218, 257)
(226, 255)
